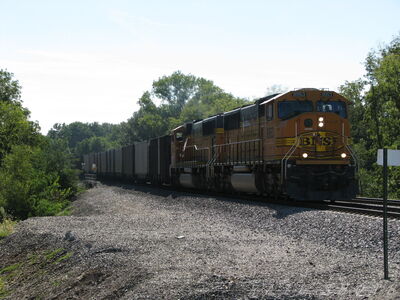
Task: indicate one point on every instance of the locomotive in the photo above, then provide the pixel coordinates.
(294, 144)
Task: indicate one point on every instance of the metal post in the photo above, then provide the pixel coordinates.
(385, 233)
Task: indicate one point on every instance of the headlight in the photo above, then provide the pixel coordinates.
(320, 124)
(343, 155)
(320, 119)
(305, 155)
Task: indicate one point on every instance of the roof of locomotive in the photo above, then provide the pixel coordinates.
(302, 93)
(269, 98)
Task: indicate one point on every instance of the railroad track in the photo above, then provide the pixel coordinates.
(360, 205)
(366, 206)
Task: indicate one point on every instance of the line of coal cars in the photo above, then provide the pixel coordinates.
(147, 161)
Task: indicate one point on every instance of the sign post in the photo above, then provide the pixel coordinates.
(385, 233)
(386, 158)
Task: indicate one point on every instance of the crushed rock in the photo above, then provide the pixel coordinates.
(146, 243)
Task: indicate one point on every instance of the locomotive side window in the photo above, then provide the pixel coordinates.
(289, 109)
(270, 111)
(337, 107)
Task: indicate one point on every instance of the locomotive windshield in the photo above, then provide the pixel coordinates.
(289, 109)
(337, 107)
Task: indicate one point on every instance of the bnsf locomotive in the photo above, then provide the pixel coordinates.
(294, 144)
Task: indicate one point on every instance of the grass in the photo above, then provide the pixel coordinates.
(43, 259)
(66, 211)
(6, 228)
(7, 273)
(64, 257)
(57, 252)
(10, 268)
(3, 291)
(54, 253)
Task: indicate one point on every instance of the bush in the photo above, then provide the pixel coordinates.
(30, 183)
(6, 227)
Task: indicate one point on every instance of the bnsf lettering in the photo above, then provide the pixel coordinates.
(312, 141)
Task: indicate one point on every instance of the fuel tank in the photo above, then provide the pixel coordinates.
(244, 182)
(186, 180)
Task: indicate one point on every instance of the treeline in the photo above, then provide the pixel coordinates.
(180, 98)
(375, 116)
(36, 173)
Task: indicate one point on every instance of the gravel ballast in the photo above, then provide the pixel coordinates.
(146, 243)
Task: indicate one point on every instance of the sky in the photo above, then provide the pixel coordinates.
(90, 61)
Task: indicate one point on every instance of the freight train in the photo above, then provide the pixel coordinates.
(294, 144)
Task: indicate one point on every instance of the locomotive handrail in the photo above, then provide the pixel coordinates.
(242, 142)
(239, 143)
(286, 158)
(196, 149)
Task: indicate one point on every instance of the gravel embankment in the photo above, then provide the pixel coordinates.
(145, 243)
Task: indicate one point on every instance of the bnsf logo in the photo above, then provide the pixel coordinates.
(317, 141)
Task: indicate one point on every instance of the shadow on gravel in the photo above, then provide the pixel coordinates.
(281, 210)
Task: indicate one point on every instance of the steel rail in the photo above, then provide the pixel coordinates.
(361, 206)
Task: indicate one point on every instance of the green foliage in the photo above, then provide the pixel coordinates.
(82, 138)
(375, 116)
(6, 227)
(175, 90)
(93, 144)
(10, 90)
(10, 268)
(54, 253)
(183, 98)
(36, 174)
(15, 129)
(30, 187)
(3, 291)
(64, 257)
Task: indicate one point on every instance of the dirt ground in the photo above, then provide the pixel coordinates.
(146, 243)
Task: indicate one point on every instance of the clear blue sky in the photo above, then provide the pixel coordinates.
(91, 60)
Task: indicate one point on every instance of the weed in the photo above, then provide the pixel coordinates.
(54, 253)
(3, 291)
(56, 283)
(33, 259)
(6, 227)
(10, 268)
(64, 257)
(65, 212)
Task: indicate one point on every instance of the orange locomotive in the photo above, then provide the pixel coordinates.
(294, 144)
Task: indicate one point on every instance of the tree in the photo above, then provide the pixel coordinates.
(209, 100)
(276, 89)
(79, 136)
(375, 115)
(10, 90)
(15, 128)
(36, 177)
(175, 90)
(183, 98)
